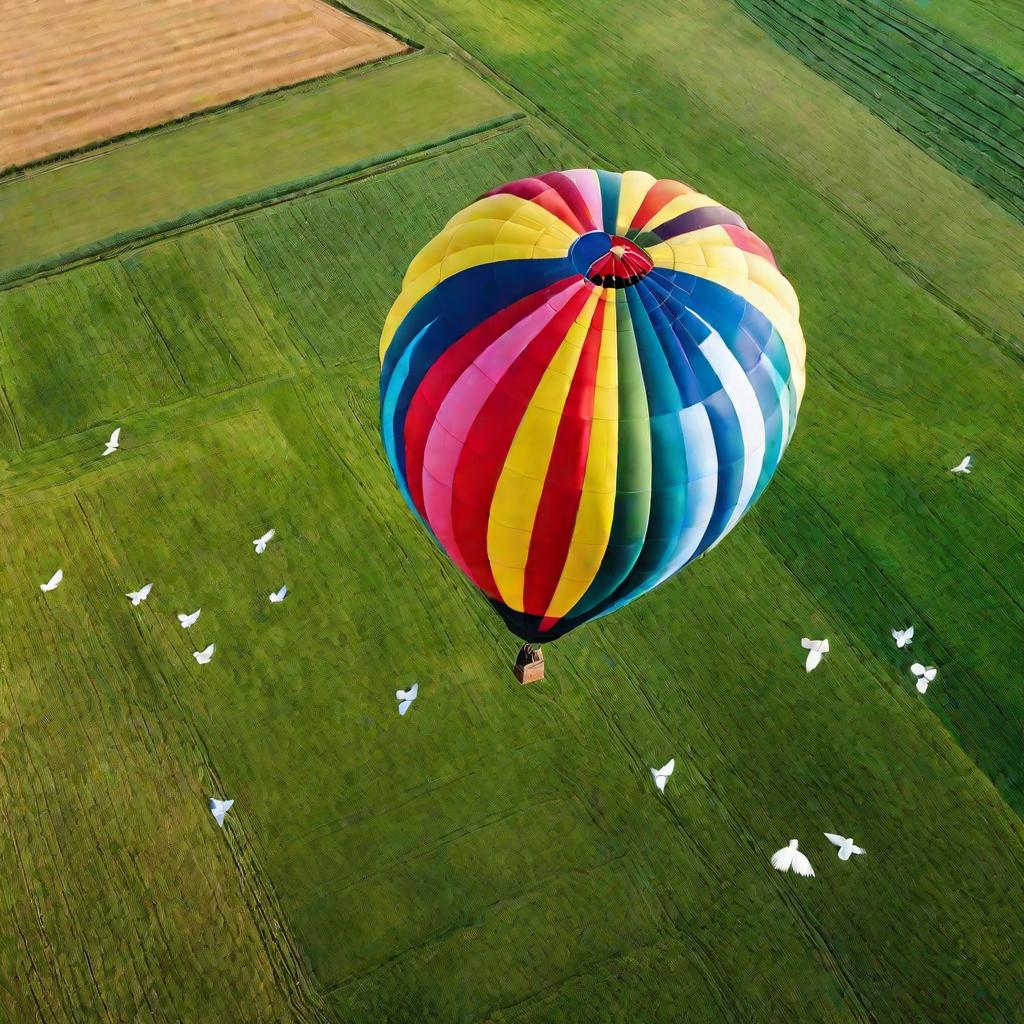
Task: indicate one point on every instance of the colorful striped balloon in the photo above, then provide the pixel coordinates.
(587, 379)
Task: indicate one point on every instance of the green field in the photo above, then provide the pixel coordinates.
(500, 854)
(272, 144)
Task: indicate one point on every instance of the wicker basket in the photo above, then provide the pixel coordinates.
(532, 671)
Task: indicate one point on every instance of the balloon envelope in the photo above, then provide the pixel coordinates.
(586, 380)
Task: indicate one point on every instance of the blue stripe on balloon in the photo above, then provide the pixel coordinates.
(452, 309)
(391, 416)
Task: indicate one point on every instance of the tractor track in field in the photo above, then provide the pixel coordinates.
(949, 100)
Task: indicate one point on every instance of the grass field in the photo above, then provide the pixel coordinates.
(499, 854)
(80, 73)
(995, 27)
(948, 98)
(271, 144)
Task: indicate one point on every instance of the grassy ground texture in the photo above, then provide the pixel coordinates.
(500, 854)
(271, 144)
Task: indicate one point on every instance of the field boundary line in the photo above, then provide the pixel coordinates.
(379, 163)
(339, 5)
(90, 149)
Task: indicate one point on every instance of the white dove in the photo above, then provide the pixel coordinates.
(903, 637)
(923, 675)
(661, 774)
(138, 596)
(53, 582)
(964, 466)
(279, 595)
(815, 649)
(406, 697)
(113, 444)
(218, 808)
(203, 657)
(846, 846)
(789, 858)
(188, 621)
(260, 543)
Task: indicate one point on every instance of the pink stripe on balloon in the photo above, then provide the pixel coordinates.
(459, 410)
(589, 185)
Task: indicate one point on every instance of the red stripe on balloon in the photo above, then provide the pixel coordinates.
(660, 194)
(491, 436)
(563, 484)
(569, 191)
(745, 239)
(447, 369)
(536, 190)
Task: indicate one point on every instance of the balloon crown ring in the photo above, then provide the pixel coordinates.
(610, 261)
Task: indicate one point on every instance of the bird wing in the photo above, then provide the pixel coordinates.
(146, 589)
(404, 706)
(115, 437)
(414, 691)
(782, 859)
(834, 839)
(908, 633)
(930, 673)
(801, 865)
(823, 646)
(668, 768)
(858, 849)
(813, 660)
(281, 594)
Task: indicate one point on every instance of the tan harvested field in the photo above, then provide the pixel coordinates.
(73, 72)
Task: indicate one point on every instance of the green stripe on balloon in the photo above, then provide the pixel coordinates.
(633, 476)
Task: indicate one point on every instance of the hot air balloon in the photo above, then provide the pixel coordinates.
(587, 379)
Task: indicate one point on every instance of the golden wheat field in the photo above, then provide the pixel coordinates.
(77, 73)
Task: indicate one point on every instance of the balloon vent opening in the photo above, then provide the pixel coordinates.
(610, 261)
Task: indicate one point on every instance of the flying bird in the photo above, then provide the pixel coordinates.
(406, 697)
(903, 637)
(846, 846)
(218, 808)
(138, 596)
(53, 582)
(815, 649)
(964, 466)
(188, 621)
(279, 595)
(113, 444)
(661, 774)
(203, 657)
(789, 858)
(260, 543)
(923, 675)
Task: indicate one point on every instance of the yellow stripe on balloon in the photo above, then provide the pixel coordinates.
(597, 502)
(494, 229)
(632, 192)
(517, 495)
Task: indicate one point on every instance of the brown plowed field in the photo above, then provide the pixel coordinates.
(74, 72)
